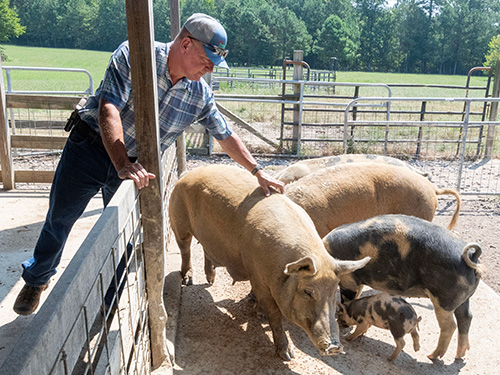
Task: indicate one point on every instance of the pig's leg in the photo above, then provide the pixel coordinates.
(360, 330)
(416, 339)
(349, 291)
(464, 318)
(273, 314)
(184, 244)
(209, 270)
(400, 344)
(447, 325)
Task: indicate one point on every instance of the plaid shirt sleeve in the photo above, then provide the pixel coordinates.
(116, 85)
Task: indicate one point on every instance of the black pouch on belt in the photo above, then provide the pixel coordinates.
(74, 117)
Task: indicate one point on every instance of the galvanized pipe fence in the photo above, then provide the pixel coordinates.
(451, 140)
(10, 90)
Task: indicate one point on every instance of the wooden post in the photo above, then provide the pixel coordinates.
(490, 137)
(420, 130)
(5, 154)
(143, 69)
(298, 55)
(175, 27)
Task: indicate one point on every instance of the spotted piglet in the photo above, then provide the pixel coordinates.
(384, 311)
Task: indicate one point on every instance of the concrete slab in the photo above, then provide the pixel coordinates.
(21, 219)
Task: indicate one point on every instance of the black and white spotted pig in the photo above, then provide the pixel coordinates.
(415, 258)
(384, 311)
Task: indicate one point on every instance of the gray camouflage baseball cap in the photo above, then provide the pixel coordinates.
(212, 36)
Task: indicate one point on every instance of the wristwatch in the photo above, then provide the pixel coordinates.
(257, 168)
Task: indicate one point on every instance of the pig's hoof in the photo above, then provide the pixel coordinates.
(461, 351)
(435, 355)
(187, 280)
(392, 357)
(286, 354)
(187, 277)
(262, 317)
(333, 349)
(211, 279)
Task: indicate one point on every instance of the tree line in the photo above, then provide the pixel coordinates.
(410, 36)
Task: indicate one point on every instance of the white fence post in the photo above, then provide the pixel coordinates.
(5, 154)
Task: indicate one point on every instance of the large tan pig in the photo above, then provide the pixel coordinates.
(302, 168)
(270, 241)
(348, 193)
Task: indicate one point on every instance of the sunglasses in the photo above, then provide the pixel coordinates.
(215, 49)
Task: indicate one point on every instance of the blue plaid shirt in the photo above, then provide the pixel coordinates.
(179, 106)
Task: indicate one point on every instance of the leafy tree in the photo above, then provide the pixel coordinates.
(77, 18)
(161, 13)
(288, 32)
(110, 28)
(373, 24)
(465, 28)
(188, 7)
(262, 33)
(493, 52)
(412, 31)
(229, 17)
(10, 25)
(336, 39)
(256, 42)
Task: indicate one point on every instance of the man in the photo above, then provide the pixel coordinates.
(101, 149)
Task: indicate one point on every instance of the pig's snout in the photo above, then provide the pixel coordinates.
(333, 348)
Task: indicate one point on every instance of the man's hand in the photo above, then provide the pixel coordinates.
(233, 146)
(266, 182)
(137, 173)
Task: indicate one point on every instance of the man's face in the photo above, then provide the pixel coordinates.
(197, 63)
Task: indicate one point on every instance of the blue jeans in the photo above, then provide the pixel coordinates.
(83, 170)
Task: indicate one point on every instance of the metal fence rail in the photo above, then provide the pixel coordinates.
(466, 158)
(10, 90)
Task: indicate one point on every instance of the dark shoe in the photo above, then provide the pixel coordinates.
(28, 299)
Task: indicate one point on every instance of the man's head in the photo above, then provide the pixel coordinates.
(210, 33)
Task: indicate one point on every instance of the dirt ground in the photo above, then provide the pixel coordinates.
(217, 330)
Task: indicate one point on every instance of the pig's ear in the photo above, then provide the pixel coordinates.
(303, 267)
(348, 266)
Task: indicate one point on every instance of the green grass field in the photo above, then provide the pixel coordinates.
(95, 62)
